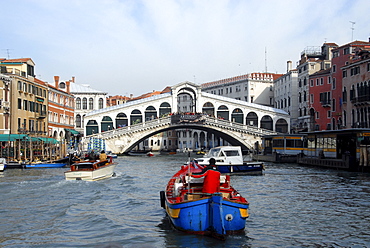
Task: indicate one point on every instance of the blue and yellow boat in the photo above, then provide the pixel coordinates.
(194, 209)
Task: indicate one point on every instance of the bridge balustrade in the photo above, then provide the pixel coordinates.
(166, 121)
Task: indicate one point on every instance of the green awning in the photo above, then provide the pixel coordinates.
(72, 131)
(12, 137)
(48, 140)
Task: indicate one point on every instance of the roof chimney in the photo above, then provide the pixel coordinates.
(56, 80)
(68, 83)
(289, 66)
(73, 79)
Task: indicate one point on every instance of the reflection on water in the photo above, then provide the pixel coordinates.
(290, 206)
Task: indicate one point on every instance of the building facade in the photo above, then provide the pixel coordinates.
(5, 84)
(254, 88)
(320, 100)
(87, 99)
(312, 60)
(61, 114)
(116, 100)
(28, 100)
(285, 94)
(343, 56)
(356, 90)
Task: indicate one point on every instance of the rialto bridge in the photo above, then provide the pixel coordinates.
(185, 106)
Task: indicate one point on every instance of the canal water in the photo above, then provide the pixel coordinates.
(290, 206)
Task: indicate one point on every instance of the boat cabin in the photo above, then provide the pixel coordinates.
(224, 155)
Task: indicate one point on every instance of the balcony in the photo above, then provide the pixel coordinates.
(326, 104)
(361, 100)
(41, 115)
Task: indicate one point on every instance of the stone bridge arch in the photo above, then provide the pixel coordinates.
(124, 139)
(132, 119)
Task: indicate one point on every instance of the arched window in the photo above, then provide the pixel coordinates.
(164, 109)
(91, 103)
(101, 103)
(78, 103)
(84, 103)
(78, 120)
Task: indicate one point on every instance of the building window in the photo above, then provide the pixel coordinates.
(329, 114)
(334, 84)
(84, 103)
(78, 103)
(78, 120)
(19, 103)
(344, 73)
(91, 103)
(101, 103)
(311, 82)
(334, 68)
(333, 106)
(25, 105)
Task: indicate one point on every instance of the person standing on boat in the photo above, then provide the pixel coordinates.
(210, 166)
(91, 155)
(211, 183)
(102, 156)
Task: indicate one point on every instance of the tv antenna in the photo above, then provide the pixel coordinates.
(353, 23)
(265, 59)
(8, 52)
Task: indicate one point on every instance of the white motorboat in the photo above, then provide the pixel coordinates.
(91, 170)
(2, 164)
(229, 159)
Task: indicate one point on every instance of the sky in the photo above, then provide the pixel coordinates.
(125, 47)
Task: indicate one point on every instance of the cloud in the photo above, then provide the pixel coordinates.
(127, 46)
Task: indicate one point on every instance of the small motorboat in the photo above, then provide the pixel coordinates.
(167, 151)
(91, 170)
(139, 152)
(2, 164)
(15, 165)
(63, 162)
(111, 154)
(150, 154)
(192, 210)
(45, 165)
(229, 159)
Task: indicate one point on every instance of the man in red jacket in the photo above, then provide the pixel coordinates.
(211, 183)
